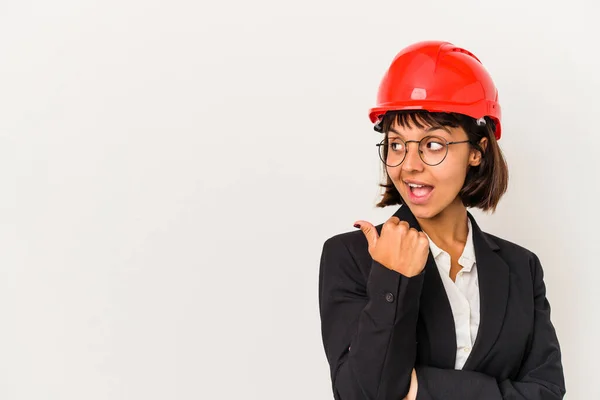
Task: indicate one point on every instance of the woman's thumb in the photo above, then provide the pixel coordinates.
(369, 230)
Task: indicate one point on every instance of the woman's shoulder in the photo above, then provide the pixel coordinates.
(353, 242)
(510, 251)
(347, 254)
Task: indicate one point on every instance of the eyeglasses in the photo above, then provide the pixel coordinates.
(432, 150)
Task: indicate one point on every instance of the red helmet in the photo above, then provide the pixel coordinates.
(438, 76)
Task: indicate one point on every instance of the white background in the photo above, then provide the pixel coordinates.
(170, 169)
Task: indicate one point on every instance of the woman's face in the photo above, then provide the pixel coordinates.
(440, 183)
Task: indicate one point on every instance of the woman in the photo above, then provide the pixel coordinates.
(426, 305)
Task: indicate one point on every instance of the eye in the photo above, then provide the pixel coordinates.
(396, 146)
(435, 144)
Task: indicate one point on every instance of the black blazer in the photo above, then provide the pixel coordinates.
(377, 325)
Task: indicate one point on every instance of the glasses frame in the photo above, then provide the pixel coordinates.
(406, 142)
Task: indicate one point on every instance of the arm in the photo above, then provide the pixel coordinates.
(540, 377)
(368, 328)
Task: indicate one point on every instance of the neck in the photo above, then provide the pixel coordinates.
(449, 226)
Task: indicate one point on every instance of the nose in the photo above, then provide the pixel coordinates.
(412, 160)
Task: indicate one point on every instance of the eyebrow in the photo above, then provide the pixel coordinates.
(428, 130)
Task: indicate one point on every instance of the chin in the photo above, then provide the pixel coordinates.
(423, 212)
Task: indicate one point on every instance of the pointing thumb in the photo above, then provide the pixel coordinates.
(369, 230)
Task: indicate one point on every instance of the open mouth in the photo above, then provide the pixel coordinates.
(420, 190)
(419, 193)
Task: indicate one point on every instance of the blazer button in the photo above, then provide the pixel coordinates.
(389, 297)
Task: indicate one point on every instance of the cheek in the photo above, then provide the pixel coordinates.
(451, 176)
(395, 175)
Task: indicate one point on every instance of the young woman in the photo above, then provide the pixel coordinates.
(427, 305)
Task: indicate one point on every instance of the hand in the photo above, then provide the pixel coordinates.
(414, 385)
(400, 247)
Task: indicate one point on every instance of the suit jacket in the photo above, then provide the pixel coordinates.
(377, 325)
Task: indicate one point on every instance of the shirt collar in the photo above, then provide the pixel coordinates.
(468, 256)
(435, 250)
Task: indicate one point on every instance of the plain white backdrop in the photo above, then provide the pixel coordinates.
(170, 170)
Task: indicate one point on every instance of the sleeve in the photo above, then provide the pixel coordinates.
(540, 376)
(368, 328)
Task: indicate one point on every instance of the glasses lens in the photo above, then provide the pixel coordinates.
(433, 149)
(393, 154)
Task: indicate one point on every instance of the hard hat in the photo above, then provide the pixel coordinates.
(439, 77)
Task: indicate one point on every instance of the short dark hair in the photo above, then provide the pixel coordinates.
(484, 184)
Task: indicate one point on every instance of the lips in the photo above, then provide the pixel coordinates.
(416, 182)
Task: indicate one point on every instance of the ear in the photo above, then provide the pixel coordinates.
(475, 156)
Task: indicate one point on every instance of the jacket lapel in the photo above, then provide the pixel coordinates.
(436, 313)
(435, 310)
(493, 275)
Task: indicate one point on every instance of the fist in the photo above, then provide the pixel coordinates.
(400, 247)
